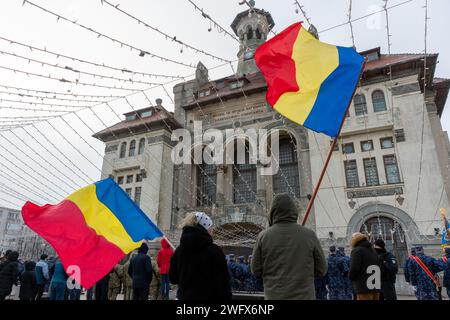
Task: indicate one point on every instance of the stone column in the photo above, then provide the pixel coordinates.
(220, 197)
(261, 192)
(220, 183)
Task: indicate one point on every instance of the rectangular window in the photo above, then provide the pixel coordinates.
(128, 191)
(372, 56)
(370, 169)
(390, 165)
(348, 148)
(244, 185)
(366, 145)
(206, 179)
(387, 143)
(351, 174)
(130, 179)
(145, 114)
(204, 93)
(12, 216)
(360, 105)
(130, 117)
(286, 180)
(236, 84)
(137, 195)
(360, 109)
(120, 180)
(139, 177)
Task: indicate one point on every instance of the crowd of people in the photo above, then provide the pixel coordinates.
(136, 276)
(421, 274)
(241, 278)
(35, 279)
(287, 262)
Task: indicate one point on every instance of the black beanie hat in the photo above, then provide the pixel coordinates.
(380, 243)
(143, 248)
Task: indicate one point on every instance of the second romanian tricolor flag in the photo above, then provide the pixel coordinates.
(93, 228)
(309, 82)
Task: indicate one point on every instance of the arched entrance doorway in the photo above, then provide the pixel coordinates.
(391, 232)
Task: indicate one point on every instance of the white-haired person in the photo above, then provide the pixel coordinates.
(198, 266)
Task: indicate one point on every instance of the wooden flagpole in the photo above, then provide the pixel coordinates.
(169, 242)
(330, 153)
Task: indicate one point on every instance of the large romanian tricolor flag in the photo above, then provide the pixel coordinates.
(93, 228)
(309, 82)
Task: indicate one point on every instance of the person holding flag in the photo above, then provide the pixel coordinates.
(312, 84)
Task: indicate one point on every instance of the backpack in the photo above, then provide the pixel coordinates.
(389, 266)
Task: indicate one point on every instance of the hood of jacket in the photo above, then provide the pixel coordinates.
(364, 243)
(164, 244)
(195, 238)
(143, 248)
(283, 210)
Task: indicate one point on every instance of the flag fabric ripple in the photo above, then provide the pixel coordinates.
(93, 228)
(309, 82)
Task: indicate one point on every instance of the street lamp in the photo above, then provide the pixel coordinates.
(351, 203)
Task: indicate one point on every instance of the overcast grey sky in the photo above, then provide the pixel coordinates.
(30, 25)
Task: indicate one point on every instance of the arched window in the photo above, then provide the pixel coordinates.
(132, 151)
(244, 177)
(141, 146)
(123, 149)
(258, 33)
(391, 233)
(378, 100)
(249, 33)
(287, 178)
(360, 104)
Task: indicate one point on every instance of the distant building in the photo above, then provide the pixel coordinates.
(138, 157)
(392, 143)
(10, 229)
(15, 235)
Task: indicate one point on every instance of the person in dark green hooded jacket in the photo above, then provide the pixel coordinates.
(287, 256)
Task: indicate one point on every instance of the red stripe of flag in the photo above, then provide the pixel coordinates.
(64, 227)
(274, 59)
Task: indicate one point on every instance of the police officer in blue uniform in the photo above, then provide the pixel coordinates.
(426, 288)
(446, 266)
(336, 276)
(320, 284)
(345, 261)
(241, 273)
(255, 284)
(232, 270)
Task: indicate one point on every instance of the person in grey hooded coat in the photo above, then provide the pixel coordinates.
(287, 256)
